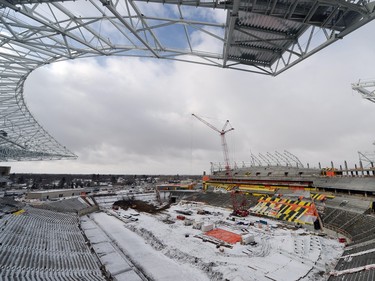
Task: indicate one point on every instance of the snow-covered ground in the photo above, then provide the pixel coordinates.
(170, 251)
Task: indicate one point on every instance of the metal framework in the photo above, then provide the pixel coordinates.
(260, 36)
(366, 89)
(276, 159)
(367, 157)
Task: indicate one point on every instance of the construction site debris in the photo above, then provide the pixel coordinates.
(168, 221)
(198, 225)
(140, 206)
(188, 222)
(207, 227)
(243, 223)
(213, 240)
(184, 212)
(203, 212)
(247, 239)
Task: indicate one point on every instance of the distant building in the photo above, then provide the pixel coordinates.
(4, 171)
(54, 194)
(4, 176)
(176, 186)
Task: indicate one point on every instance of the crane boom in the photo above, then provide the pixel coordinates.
(224, 145)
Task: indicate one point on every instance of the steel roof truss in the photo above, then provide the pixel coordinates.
(110, 6)
(274, 36)
(185, 30)
(232, 17)
(267, 41)
(311, 12)
(145, 24)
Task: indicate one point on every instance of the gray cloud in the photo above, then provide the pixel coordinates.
(127, 115)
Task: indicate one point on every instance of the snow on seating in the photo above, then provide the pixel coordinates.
(41, 244)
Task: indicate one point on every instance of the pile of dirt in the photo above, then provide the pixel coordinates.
(140, 206)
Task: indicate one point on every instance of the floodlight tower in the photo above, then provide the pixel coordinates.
(223, 141)
(366, 89)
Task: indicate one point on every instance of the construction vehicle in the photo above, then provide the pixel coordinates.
(239, 202)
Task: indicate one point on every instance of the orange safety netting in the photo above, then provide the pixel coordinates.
(224, 235)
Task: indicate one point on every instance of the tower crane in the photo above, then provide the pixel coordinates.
(224, 145)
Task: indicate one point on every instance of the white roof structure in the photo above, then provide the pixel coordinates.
(258, 36)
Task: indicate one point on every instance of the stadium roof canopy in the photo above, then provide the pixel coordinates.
(259, 36)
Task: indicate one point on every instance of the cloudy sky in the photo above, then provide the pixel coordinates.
(133, 116)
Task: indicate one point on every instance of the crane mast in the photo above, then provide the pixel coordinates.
(224, 145)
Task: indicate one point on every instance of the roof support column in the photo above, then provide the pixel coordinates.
(231, 19)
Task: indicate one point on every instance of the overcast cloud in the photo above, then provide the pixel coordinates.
(133, 116)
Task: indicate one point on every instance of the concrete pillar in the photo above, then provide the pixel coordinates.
(373, 171)
(346, 168)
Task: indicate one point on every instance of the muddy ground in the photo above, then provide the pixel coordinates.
(140, 206)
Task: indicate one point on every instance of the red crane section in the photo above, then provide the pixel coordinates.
(224, 145)
(239, 202)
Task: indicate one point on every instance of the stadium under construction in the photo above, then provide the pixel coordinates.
(358, 180)
(241, 234)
